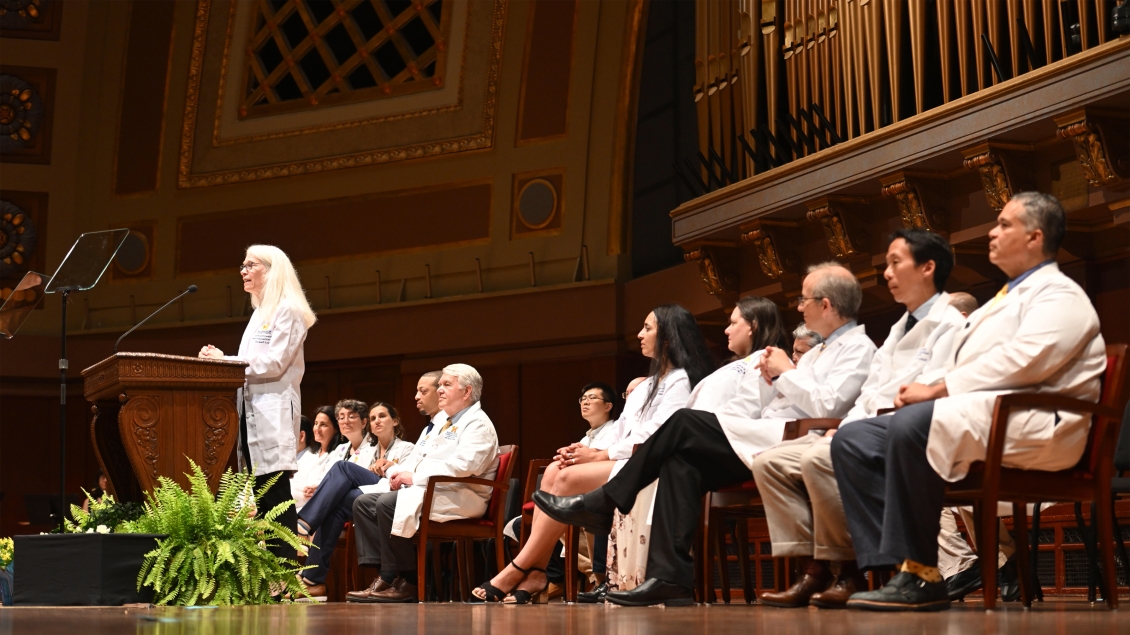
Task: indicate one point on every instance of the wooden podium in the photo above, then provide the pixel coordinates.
(153, 412)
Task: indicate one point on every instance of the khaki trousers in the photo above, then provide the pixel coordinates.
(955, 554)
(802, 501)
(796, 472)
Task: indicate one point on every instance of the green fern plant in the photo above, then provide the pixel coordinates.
(215, 552)
(105, 516)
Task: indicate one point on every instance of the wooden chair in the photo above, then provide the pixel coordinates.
(749, 507)
(465, 532)
(989, 482)
(533, 474)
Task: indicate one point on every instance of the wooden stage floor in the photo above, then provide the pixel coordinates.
(1060, 617)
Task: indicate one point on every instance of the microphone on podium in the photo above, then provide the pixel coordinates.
(191, 289)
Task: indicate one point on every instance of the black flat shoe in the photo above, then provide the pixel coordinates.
(961, 584)
(1009, 581)
(571, 510)
(904, 592)
(596, 596)
(653, 592)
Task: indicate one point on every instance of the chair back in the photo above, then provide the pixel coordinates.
(1104, 430)
(506, 456)
(1122, 450)
(533, 478)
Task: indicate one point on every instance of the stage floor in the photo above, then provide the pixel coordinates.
(1060, 617)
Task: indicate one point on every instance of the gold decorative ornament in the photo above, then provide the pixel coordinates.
(913, 212)
(768, 255)
(717, 282)
(1090, 149)
(832, 220)
(994, 179)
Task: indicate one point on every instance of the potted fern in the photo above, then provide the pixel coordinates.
(182, 547)
(215, 550)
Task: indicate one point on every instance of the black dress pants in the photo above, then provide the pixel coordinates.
(690, 455)
(397, 554)
(279, 493)
(892, 496)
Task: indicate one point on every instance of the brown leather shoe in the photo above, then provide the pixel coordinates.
(366, 595)
(815, 579)
(400, 591)
(836, 596)
(317, 592)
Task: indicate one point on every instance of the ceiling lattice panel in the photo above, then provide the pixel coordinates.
(310, 53)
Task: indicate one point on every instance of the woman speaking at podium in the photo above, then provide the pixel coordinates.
(270, 401)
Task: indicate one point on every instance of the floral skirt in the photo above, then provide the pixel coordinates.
(628, 543)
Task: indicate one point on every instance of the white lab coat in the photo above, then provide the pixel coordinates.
(636, 424)
(312, 468)
(733, 393)
(600, 437)
(397, 452)
(271, 397)
(1041, 337)
(469, 448)
(825, 384)
(904, 357)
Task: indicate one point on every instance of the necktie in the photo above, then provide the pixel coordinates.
(428, 430)
(1000, 295)
(910, 322)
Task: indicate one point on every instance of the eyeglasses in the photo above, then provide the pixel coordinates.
(247, 266)
(803, 299)
(585, 398)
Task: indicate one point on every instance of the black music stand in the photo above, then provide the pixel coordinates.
(80, 270)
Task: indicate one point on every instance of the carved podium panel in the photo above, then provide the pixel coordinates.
(152, 413)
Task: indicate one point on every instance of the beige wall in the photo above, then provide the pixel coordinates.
(90, 58)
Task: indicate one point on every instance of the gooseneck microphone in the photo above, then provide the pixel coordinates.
(191, 289)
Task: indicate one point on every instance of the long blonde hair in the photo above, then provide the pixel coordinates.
(282, 285)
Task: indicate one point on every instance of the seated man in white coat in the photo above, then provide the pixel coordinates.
(705, 448)
(1039, 334)
(465, 445)
(802, 503)
(368, 543)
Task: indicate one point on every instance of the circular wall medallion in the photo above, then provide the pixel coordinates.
(134, 253)
(17, 239)
(537, 203)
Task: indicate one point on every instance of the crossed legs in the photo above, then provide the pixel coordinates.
(546, 532)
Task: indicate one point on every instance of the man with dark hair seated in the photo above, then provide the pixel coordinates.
(1039, 334)
(796, 480)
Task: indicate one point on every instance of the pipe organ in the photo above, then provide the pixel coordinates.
(782, 79)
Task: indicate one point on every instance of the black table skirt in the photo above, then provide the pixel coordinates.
(80, 569)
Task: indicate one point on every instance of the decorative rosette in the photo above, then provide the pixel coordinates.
(17, 239)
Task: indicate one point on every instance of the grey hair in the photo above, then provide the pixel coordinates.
(1045, 213)
(842, 291)
(467, 376)
(801, 332)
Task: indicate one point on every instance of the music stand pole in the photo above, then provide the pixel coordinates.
(66, 291)
(80, 270)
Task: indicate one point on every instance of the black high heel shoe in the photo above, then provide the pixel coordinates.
(521, 596)
(493, 593)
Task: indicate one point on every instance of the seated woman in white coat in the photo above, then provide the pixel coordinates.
(680, 359)
(331, 506)
(755, 323)
(324, 438)
(270, 401)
